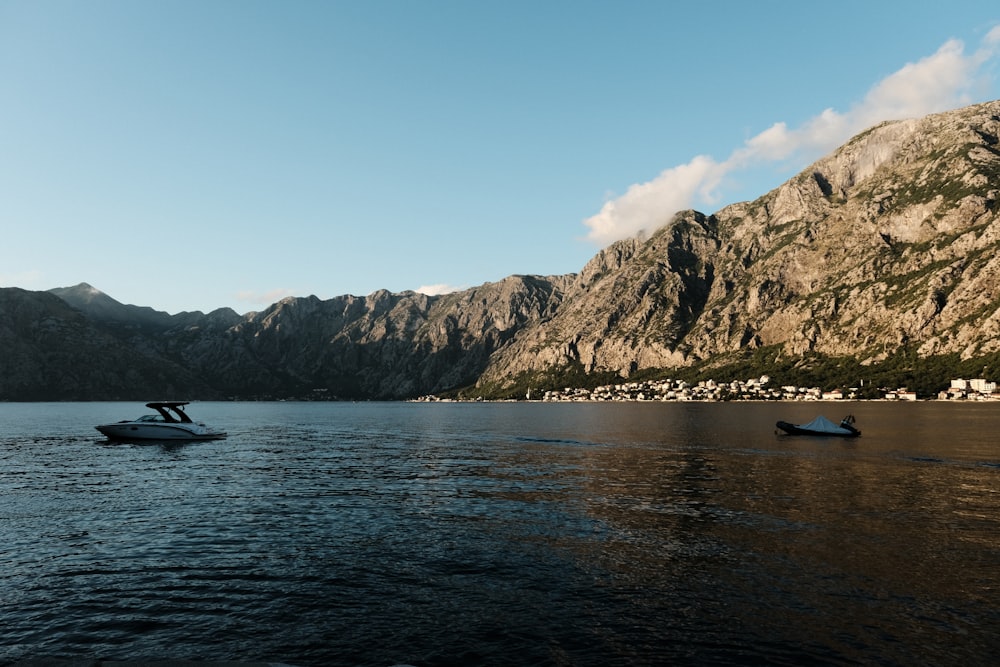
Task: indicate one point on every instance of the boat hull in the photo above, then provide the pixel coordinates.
(140, 431)
(841, 432)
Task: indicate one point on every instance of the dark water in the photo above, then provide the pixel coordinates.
(504, 534)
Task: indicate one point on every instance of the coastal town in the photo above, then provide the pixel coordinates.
(755, 389)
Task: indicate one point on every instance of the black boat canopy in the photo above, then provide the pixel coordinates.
(171, 410)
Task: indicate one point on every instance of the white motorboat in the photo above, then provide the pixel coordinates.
(823, 427)
(170, 423)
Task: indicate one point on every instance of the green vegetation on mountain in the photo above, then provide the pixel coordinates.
(927, 376)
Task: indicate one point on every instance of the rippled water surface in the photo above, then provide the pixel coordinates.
(504, 534)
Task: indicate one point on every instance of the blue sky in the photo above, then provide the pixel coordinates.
(190, 155)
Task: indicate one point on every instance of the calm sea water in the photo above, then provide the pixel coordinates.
(504, 534)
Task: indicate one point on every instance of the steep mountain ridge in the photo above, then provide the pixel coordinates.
(52, 351)
(383, 345)
(888, 243)
(389, 345)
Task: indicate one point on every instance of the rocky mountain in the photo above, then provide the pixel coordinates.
(52, 351)
(889, 243)
(384, 345)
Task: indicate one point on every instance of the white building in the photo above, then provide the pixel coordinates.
(982, 386)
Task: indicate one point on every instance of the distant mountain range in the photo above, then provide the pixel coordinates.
(888, 244)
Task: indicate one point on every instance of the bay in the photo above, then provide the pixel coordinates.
(504, 534)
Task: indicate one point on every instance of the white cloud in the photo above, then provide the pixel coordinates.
(645, 204)
(435, 290)
(947, 79)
